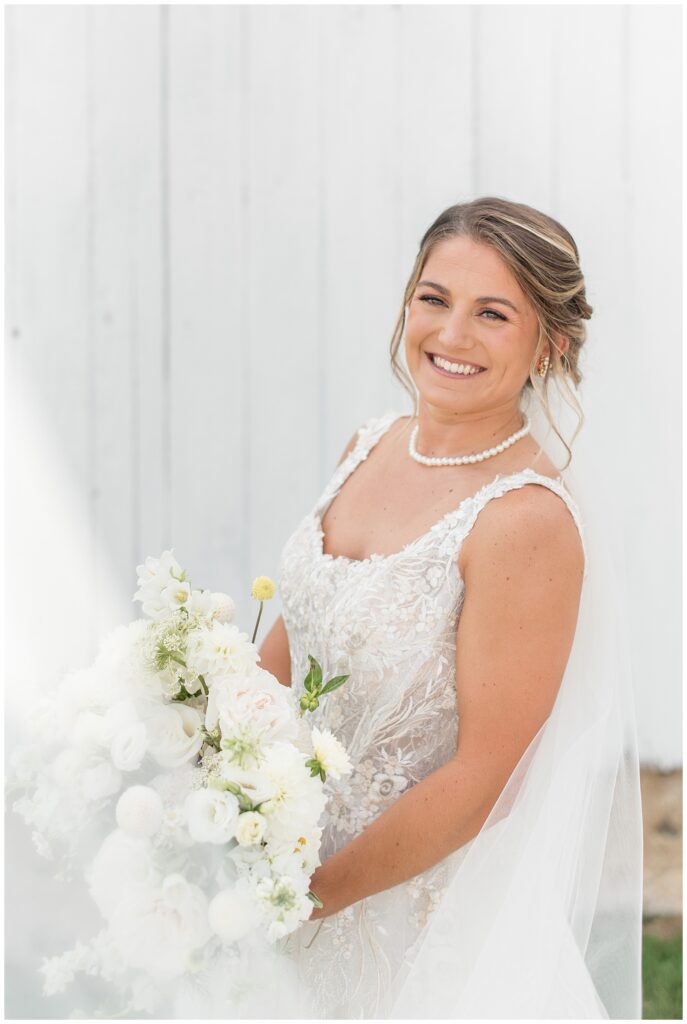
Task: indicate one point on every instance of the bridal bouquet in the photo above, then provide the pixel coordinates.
(200, 772)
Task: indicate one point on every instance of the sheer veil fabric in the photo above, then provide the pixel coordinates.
(542, 916)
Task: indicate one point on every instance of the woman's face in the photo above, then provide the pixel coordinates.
(474, 312)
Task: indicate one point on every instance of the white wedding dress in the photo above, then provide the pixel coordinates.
(390, 622)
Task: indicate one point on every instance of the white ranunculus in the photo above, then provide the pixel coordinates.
(224, 608)
(257, 700)
(174, 734)
(101, 780)
(139, 811)
(122, 867)
(330, 753)
(128, 747)
(251, 827)
(233, 913)
(219, 649)
(212, 815)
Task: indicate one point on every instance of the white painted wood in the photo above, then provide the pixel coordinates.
(211, 215)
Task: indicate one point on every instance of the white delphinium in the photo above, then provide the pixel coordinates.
(154, 576)
(219, 649)
(200, 604)
(212, 815)
(175, 734)
(284, 902)
(330, 753)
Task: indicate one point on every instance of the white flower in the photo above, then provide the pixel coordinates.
(285, 903)
(212, 815)
(224, 608)
(220, 649)
(175, 594)
(139, 811)
(258, 700)
(254, 784)
(233, 913)
(128, 747)
(330, 753)
(174, 734)
(153, 577)
(299, 800)
(160, 932)
(251, 827)
(123, 867)
(200, 603)
(386, 786)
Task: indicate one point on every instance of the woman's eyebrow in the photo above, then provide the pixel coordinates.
(482, 298)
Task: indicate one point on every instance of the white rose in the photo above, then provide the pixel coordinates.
(139, 811)
(128, 747)
(232, 914)
(257, 700)
(212, 815)
(251, 828)
(174, 734)
(224, 608)
(330, 753)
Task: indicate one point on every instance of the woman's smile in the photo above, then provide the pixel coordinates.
(445, 372)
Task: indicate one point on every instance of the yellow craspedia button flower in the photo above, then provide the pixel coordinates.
(263, 588)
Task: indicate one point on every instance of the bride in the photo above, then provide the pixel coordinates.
(483, 859)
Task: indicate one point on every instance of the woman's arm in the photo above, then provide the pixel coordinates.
(275, 656)
(523, 578)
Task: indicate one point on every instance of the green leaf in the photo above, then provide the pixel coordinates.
(333, 684)
(316, 670)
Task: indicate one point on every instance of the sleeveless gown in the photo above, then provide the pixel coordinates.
(390, 622)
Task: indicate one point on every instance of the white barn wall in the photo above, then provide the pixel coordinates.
(211, 214)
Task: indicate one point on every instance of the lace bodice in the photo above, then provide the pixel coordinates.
(389, 621)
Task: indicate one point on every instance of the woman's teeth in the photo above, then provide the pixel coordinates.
(458, 368)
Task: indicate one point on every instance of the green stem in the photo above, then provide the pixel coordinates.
(255, 631)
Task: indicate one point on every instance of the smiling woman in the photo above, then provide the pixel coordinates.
(491, 825)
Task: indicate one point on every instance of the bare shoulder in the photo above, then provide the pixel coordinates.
(527, 530)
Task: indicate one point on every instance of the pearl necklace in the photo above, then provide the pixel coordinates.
(460, 460)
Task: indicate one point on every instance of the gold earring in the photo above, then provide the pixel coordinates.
(543, 366)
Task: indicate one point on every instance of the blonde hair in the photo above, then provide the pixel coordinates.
(543, 257)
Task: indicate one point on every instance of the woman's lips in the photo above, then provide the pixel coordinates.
(447, 373)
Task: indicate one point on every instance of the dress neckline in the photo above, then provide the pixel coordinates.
(357, 455)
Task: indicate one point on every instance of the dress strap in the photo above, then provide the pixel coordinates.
(368, 435)
(500, 485)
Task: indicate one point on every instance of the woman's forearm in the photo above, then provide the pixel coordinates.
(428, 822)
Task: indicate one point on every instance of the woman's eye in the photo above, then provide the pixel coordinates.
(433, 298)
